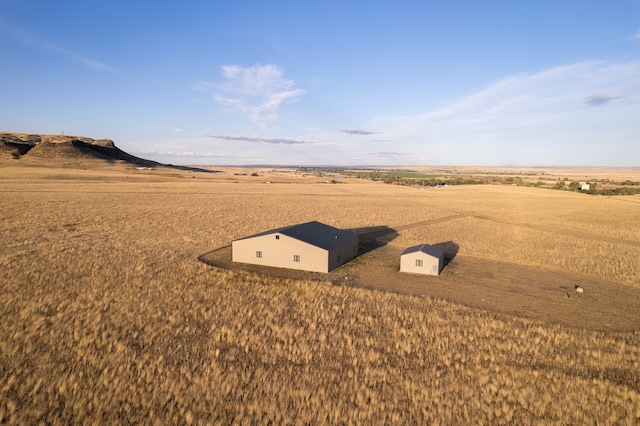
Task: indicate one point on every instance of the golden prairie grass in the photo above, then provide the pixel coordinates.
(588, 256)
(108, 317)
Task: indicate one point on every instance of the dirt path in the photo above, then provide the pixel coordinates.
(505, 288)
(431, 222)
(493, 286)
(559, 230)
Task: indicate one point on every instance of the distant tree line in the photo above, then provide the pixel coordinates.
(602, 187)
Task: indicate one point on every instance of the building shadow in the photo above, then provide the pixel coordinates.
(113, 154)
(373, 237)
(450, 250)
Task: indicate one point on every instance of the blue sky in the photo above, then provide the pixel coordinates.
(539, 83)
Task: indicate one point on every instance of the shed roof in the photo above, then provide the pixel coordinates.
(425, 248)
(314, 233)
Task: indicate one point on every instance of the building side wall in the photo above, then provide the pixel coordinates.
(430, 265)
(343, 253)
(280, 253)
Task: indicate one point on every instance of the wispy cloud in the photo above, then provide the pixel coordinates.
(179, 154)
(30, 39)
(635, 36)
(256, 91)
(537, 118)
(259, 139)
(597, 100)
(358, 132)
(390, 154)
(518, 102)
(529, 117)
(177, 130)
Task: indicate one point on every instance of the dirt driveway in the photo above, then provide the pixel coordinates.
(498, 287)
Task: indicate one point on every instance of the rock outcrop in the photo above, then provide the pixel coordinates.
(18, 145)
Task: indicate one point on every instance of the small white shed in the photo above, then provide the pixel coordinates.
(422, 259)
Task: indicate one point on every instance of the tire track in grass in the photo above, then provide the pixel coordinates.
(375, 235)
(558, 230)
(432, 221)
(538, 227)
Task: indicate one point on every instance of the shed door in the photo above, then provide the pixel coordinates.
(434, 270)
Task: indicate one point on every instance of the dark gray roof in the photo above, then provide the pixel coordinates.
(314, 233)
(425, 248)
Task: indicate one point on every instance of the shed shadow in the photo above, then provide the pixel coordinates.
(450, 250)
(373, 237)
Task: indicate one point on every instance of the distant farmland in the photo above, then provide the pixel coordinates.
(398, 174)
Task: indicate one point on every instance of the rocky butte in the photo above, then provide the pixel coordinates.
(38, 146)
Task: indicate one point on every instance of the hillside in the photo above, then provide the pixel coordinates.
(50, 147)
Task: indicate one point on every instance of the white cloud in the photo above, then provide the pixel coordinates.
(635, 36)
(286, 141)
(538, 118)
(391, 154)
(358, 132)
(530, 114)
(256, 91)
(601, 99)
(193, 154)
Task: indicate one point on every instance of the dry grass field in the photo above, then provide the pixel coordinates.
(109, 316)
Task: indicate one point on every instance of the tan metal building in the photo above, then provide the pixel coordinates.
(311, 246)
(422, 259)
